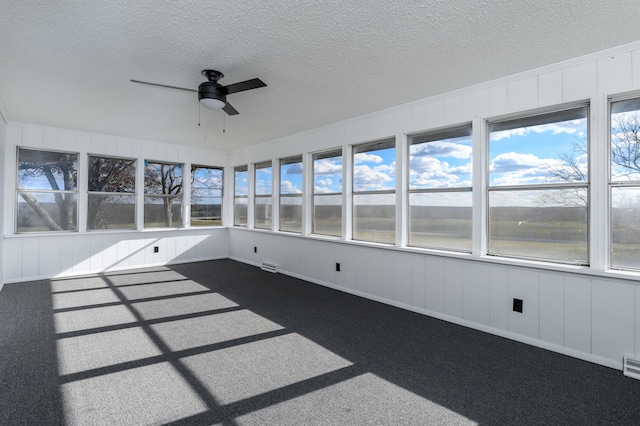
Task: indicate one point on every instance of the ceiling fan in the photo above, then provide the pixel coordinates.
(212, 94)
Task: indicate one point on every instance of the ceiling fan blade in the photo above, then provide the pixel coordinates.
(162, 85)
(244, 85)
(229, 109)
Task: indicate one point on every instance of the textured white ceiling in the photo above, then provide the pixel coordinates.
(68, 63)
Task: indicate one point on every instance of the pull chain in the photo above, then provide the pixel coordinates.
(223, 121)
(198, 114)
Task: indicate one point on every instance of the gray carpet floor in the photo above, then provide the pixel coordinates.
(222, 342)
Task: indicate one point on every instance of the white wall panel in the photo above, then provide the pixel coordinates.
(109, 251)
(550, 88)
(402, 279)
(435, 113)
(12, 259)
(524, 285)
(31, 257)
(49, 257)
(66, 256)
(577, 317)
(552, 308)
(96, 252)
(500, 305)
(32, 136)
(635, 68)
(453, 109)
(81, 254)
(476, 303)
(453, 288)
(435, 282)
(362, 273)
(498, 98)
(579, 81)
(418, 281)
(522, 94)
(418, 118)
(637, 319)
(615, 73)
(475, 104)
(375, 273)
(613, 318)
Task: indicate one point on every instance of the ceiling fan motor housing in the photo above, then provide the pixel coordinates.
(211, 90)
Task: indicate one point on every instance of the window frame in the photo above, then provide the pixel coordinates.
(282, 196)
(236, 196)
(258, 196)
(530, 119)
(103, 193)
(191, 198)
(179, 195)
(618, 184)
(373, 146)
(454, 132)
(333, 153)
(18, 190)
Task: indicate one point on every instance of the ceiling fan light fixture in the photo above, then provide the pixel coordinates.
(211, 103)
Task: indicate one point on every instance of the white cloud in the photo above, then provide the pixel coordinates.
(441, 149)
(365, 157)
(569, 127)
(287, 187)
(370, 179)
(513, 168)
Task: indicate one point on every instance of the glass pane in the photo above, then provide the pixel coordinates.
(327, 214)
(625, 228)
(240, 212)
(441, 220)
(47, 170)
(441, 163)
(291, 213)
(40, 212)
(162, 178)
(263, 214)
(206, 182)
(264, 178)
(537, 151)
(374, 218)
(111, 211)
(544, 224)
(206, 211)
(375, 169)
(112, 175)
(291, 177)
(625, 141)
(241, 181)
(162, 212)
(327, 174)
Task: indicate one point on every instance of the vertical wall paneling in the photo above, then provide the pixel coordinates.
(476, 302)
(524, 285)
(550, 88)
(402, 280)
(475, 104)
(613, 318)
(635, 68)
(577, 317)
(522, 94)
(552, 308)
(615, 73)
(418, 282)
(453, 109)
(453, 290)
(49, 257)
(435, 113)
(579, 81)
(500, 305)
(498, 100)
(434, 281)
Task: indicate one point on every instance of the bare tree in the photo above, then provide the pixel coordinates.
(109, 175)
(166, 180)
(35, 165)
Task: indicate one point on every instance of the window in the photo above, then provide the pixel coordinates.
(374, 195)
(47, 194)
(240, 195)
(162, 195)
(327, 193)
(206, 196)
(111, 198)
(291, 194)
(625, 184)
(538, 187)
(263, 194)
(440, 198)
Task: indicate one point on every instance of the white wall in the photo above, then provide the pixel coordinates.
(3, 130)
(44, 255)
(588, 312)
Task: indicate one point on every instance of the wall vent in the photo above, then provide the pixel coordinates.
(269, 267)
(631, 367)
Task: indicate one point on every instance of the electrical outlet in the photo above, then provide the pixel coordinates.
(517, 305)
(337, 267)
(156, 249)
(255, 249)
